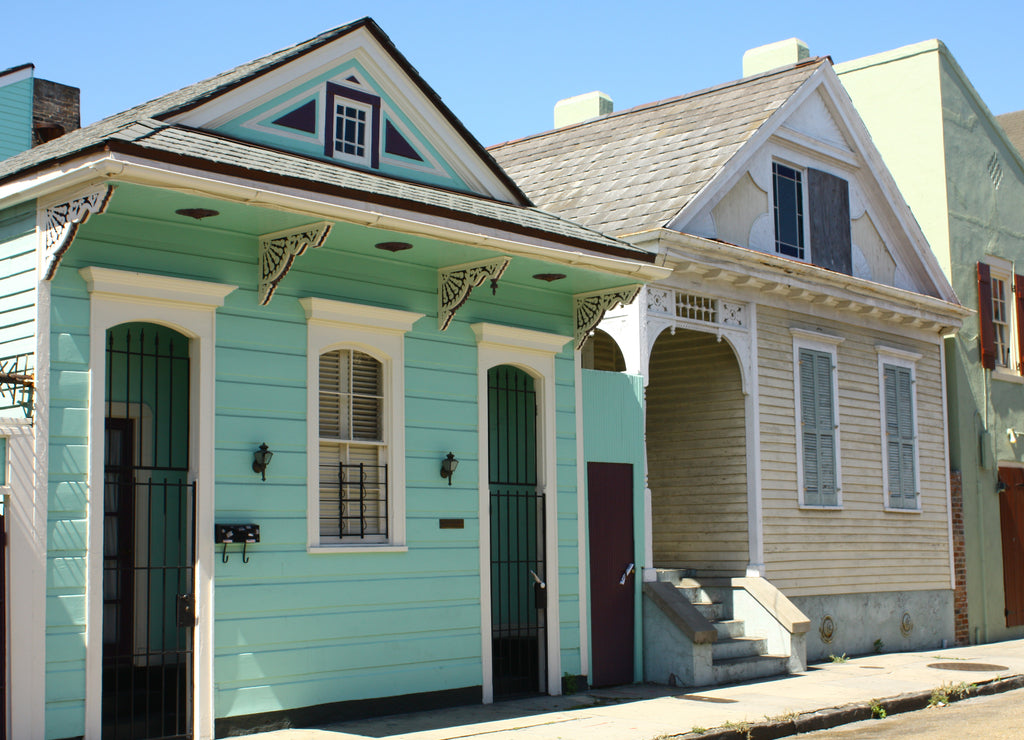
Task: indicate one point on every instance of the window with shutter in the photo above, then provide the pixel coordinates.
(788, 206)
(899, 429)
(817, 428)
(999, 313)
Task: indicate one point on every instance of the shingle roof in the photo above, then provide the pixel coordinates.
(634, 170)
(1013, 125)
(144, 130)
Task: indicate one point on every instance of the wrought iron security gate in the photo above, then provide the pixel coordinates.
(148, 537)
(518, 590)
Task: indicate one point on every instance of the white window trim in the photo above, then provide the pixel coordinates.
(802, 169)
(534, 352)
(379, 332)
(1001, 269)
(189, 307)
(898, 358)
(367, 142)
(828, 343)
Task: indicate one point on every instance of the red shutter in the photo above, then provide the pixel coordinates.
(987, 334)
(1018, 318)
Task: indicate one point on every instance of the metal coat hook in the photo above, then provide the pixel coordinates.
(224, 553)
(245, 545)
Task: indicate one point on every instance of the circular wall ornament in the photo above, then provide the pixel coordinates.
(827, 630)
(906, 624)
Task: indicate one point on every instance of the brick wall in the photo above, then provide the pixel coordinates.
(961, 630)
(53, 104)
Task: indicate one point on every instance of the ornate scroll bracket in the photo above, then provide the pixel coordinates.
(591, 308)
(279, 250)
(455, 283)
(60, 223)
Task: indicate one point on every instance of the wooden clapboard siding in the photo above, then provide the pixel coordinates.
(696, 454)
(860, 548)
(291, 628)
(17, 285)
(16, 116)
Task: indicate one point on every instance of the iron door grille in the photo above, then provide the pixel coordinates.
(517, 536)
(148, 538)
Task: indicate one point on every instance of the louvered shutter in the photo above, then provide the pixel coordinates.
(986, 331)
(817, 417)
(900, 444)
(1018, 318)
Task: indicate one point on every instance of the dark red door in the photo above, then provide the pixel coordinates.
(612, 572)
(1011, 517)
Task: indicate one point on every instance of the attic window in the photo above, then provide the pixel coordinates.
(352, 126)
(788, 196)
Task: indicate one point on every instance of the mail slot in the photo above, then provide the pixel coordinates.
(230, 534)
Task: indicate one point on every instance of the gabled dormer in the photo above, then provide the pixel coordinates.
(353, 100)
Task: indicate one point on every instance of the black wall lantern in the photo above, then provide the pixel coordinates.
(448, 466)
(261, 459)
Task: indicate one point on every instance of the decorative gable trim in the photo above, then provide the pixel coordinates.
(455, 283)
(59, 224)
(591, 307)
(279, 250)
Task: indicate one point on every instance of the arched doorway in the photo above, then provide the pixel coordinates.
(696, 455)
(601, 352)
(148, 535)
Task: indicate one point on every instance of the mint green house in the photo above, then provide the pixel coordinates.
(291, 400)
(964, 181)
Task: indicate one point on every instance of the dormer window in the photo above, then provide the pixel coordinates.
(353, 126)
(788, 196)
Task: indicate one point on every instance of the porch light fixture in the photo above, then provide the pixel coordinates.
(261, 459)
(197, 213)
(1011, 434)
(549, 277)
(393, 246)
(448, 466)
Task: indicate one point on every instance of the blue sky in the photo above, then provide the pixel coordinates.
(499, 66)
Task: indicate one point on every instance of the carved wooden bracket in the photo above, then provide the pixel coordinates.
(455, 283)
(591, 308)
(60, 223)
(279, 250)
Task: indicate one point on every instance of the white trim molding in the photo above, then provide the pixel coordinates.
(533, 352)
(57, 225)
(455, 283)
(279, 250)
(829, 344)
(379, 332)
(189, 307)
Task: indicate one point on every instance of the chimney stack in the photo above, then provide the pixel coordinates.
(582, 108)
(773, 56)
(55, 110)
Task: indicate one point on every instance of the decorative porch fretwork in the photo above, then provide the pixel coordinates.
(591, 307)
(279, 250)
(455, 283)
(17, 382)
(60, 223)
(696, 308)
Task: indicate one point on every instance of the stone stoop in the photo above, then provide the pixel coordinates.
(735, 655)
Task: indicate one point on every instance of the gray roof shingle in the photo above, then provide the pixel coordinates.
(635, 170)
(1013, 125)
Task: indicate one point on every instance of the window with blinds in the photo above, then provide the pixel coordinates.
(900, 440)
(353, 453)
(818, 429)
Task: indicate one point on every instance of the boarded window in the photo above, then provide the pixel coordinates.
(900, 441)
(828, 199)
(353, 454)
(818, 429)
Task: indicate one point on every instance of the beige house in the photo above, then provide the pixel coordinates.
(795, 409)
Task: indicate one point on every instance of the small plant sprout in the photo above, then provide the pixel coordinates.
(879, 645)
(877, 710)
(838, 658)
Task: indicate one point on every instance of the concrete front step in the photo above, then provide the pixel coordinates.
(735, 670)
(713, 611)
(738, 647)
(730, 628)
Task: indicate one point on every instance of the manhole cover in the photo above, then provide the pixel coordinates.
(968, 666)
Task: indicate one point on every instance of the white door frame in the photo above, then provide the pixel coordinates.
(534, 352)
(189, 307)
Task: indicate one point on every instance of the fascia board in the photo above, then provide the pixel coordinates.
(359, 45)
(114, 167)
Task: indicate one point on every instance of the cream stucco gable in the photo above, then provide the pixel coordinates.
(817, 134)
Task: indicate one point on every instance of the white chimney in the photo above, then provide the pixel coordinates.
(773, 56)
(582, 108)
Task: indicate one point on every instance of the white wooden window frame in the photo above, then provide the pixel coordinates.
(1002, 270)
(379, 332)
(829, 344)
(904, 359)
(804, 203)
(365, 142)
(190, 308)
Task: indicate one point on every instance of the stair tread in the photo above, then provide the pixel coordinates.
(749, 659)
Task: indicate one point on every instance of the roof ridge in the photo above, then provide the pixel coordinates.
(669, 101)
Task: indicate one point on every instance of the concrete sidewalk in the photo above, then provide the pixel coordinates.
(826, 695)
